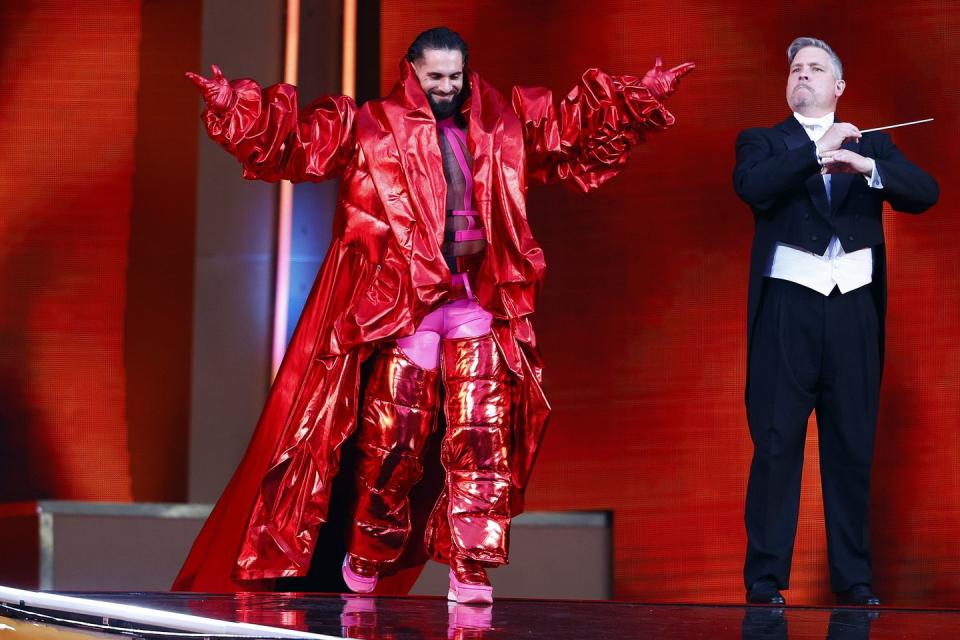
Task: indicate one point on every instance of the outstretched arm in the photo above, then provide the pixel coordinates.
(585, 138)
(270, 135)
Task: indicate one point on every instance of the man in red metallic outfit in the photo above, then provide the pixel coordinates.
(429, 283)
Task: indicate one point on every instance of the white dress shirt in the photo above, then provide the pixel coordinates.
(835, 268)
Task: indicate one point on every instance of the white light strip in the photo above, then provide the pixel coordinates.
(281, 298)
(151, 617)
(348, 70)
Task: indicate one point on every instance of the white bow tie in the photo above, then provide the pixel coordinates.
(815, 123)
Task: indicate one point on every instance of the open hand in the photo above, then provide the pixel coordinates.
(846, 161)
(217, 91)
(662, 83)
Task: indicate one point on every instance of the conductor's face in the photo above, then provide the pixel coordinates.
(812, 85)
(440, 72)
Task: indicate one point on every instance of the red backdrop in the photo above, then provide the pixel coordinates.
(68, 88)
(642, 320)
(97, 172)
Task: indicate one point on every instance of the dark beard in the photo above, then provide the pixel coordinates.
(443, 110)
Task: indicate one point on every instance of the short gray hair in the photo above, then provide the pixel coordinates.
(804, 42)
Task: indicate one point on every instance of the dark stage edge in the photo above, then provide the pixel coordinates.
(403, 618)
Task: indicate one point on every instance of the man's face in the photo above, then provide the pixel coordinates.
(440, 72)
(812, 85)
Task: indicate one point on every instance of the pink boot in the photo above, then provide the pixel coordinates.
(360, 575)
(469, 583)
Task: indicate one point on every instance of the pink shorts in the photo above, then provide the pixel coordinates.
(462, 318)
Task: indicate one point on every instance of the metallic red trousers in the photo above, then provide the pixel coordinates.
(471, 519)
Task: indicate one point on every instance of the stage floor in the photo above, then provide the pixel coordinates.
(430, 617)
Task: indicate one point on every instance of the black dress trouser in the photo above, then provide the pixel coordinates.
(811, 352)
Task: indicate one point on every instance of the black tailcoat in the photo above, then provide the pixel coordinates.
(777, 174)
(812, 352)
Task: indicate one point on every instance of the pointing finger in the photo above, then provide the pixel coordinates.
(197, 79)
(683, 69)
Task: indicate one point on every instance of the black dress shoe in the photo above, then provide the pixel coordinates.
(860, 595)
(765, 592)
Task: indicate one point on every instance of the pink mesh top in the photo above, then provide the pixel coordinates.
(464, 239)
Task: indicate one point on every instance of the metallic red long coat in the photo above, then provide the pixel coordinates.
(384, 272)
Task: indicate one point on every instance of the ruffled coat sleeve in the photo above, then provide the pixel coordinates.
(585, 138)
(275, 140)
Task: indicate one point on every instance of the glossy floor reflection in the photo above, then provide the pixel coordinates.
(413, 618)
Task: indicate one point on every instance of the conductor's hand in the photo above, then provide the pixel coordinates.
(846, 161)
(836, 135)
(662, 83)
(217, 92)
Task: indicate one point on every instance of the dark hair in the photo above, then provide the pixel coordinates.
(438, 38)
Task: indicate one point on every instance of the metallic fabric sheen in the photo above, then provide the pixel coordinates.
(472, 517)
(398, 416)
(384, 272)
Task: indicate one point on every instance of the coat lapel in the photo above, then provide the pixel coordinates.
(484, 117)
(793, 137)
(414, 130)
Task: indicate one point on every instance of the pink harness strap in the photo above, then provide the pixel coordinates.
(468, 234)
(473, 230)
(471, 216)
(465, 281)
(455, 137)
(457, 140)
